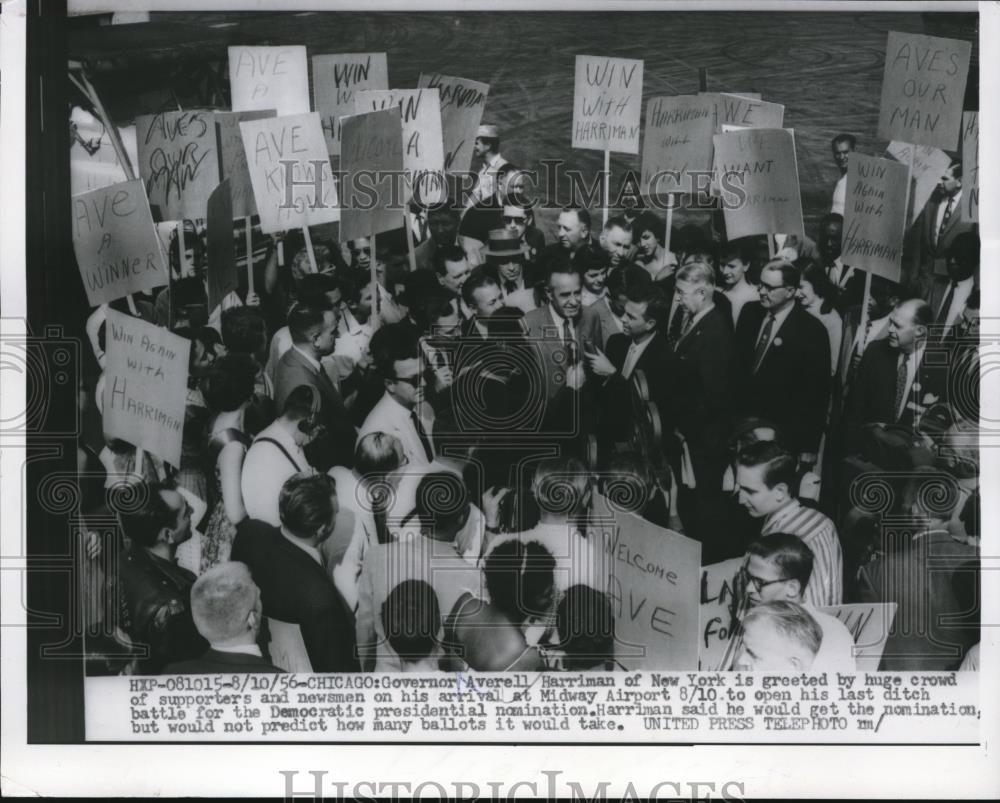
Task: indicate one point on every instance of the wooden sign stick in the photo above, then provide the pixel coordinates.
(249, 244)
(309, 250)
(607, 181)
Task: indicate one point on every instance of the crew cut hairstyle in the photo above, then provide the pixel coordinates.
(788, 553)
(790, 620)
(221, 598)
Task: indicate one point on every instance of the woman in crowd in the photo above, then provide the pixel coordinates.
(817, 295)
(227, 389)
(648, 232)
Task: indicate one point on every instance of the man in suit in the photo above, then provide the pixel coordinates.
(610, 308)
(505, 256)
(699, 374)
(402, 410)
(314, 336)
(640, 347)
(934, 231)
(573, 236)
(482, 297)
(783, 361)
(849, 281)
(225, 603)
(949, 294)
(616, 240)
(560, 333)
(895, 384)
(442, 222)
(287, 566)
(842, 146)
(153, 591)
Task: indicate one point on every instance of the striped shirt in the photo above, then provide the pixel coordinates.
(818, 533)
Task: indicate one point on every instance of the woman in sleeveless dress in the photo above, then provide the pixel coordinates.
(228, 389)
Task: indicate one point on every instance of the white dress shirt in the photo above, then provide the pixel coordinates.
(912, 366)
(265, 469)
(839, 195)
(635, 351)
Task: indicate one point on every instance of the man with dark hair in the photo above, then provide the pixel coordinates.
(401, 411)
(442, 223)
(935, 229)
(225, 603)
(486, 148)
(314, 336)
(783, 361)
(849, 281)
(950, 294)
(573, 236)
(641, 347)
(895, 382)
(154, 592)
(287, 566)
(611, 308)
(842, 146)
(481, 295)
(766, 479)
(452, 268)
(585, 623)
(778, 568)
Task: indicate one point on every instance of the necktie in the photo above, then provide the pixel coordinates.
(688, 323)
(570, 341)
(676, 324)
(901, 385)
(942, 316)
(630, 361)
(422, 434)
(833, 272)
(944, 219)
(762, 343)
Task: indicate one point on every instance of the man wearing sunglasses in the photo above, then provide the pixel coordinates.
(783, 358)
(401, 409)
(778, 568)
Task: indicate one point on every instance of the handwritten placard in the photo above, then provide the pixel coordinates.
(869, 625)
(607, 104)
(462, 104)
(760, 164)
(923, 88)
(145, 385)
(423, 146)
(221, 248)
(744, 111)
(875, 215)
(233, 158)
(93, 161)
(269, 78)
(336, 77)
(928, 166)
(115, 242)
(654, 585)
(719, 605)
(677, 142)
(290, 172)
(373, 145)
(970, 166)
(179, 161)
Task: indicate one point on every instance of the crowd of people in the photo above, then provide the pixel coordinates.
(387, 469)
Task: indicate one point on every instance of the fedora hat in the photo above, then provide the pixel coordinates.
(504, 243)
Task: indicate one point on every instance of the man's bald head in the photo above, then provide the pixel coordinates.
(909, 323)
(225, 605)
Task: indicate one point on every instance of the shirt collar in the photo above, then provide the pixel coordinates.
(782, 515)
(240, 649)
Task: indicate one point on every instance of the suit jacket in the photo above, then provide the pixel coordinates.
(336, 446)
(295, 588)
(390, 417)
(214, 661)
(616, 394)
(719, 298)
(699, 374)
(925, 257)
(873, 396)
(545, 334)
(936, 295)
(609, 326)
(155, 609)
(792, 386)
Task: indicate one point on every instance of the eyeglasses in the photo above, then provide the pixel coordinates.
(509, 219)
(758, 582)
(409, 380)
(770, 288)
